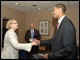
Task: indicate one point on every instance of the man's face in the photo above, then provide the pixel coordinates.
(55, 12)
(31, 26)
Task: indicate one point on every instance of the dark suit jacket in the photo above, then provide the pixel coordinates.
(36, 35)
(63, 42)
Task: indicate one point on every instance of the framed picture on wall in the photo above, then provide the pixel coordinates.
(44, 27)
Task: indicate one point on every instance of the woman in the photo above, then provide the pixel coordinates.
(11, 45)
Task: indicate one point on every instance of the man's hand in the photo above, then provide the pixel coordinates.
(37, 41)
(45, 56)
(34, 43)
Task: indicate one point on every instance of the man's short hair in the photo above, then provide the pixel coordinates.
(62, 6)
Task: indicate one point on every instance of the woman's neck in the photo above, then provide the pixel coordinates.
(13, 29)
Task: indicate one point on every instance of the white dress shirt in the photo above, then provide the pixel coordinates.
(33, 31)
(60, 20)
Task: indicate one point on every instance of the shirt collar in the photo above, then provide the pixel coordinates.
(32, 30)
(59, 21)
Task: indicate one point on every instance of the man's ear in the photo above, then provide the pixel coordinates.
(60, 9)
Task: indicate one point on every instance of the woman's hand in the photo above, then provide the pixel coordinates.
(34, 43)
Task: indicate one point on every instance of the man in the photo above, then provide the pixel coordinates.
(64, 39)
(32, 34)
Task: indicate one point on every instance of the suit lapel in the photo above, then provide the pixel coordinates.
(34, 32)
(58, 28)
(56, 32)
(30, 33)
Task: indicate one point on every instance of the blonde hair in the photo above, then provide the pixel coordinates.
(10, 21)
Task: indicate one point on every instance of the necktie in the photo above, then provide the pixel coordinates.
(32, 35)
(56, 27)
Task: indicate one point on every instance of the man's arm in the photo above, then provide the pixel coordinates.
(46, 42)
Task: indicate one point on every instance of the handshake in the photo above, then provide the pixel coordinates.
(35, 42)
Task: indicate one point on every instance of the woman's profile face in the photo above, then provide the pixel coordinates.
(14, 25)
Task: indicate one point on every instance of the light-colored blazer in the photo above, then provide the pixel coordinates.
(11, 46)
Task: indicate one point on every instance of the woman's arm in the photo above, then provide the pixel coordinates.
(14, 42)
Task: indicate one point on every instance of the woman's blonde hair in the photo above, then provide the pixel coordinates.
(10, 21)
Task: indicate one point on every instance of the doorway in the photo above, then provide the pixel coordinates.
(4, 30)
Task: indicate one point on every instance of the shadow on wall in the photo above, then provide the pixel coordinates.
(54, 22)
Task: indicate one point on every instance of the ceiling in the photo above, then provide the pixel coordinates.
(27, 6)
